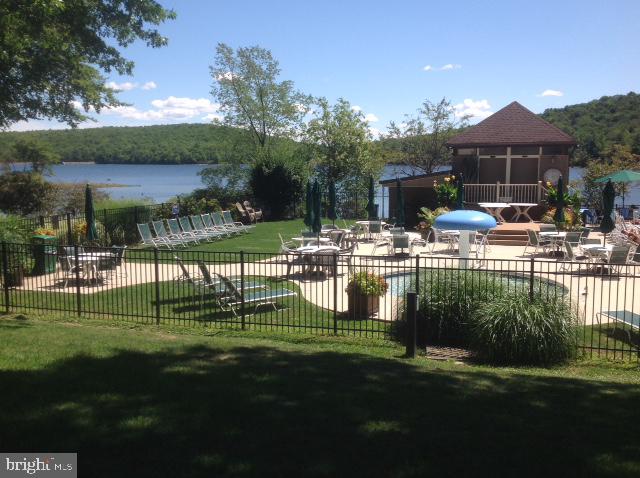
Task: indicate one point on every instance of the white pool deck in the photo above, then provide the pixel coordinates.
(590, 293)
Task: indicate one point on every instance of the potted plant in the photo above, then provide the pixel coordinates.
(427, 218)
(446, 191)
(364, 290)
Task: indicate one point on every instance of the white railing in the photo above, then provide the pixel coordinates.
(516, 193)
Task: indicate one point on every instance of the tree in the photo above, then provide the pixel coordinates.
(24, 193)
(40, 157)
(278, 184)
(341, 146)
(52, 54)
(247, 88)
(423, 138)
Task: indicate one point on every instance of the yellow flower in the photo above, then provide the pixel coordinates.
(549, 184)
(453, 176)
(446, 180)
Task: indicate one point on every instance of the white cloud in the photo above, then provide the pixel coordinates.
(551, 93)
(375, 132)
(448, 66)
(356, 108)
(371, 118)
(474, 109)
(126, 86)
(202, 105)
(149, 85)
(211, 117)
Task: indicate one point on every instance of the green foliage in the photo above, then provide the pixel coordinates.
(514, 330)
(367, 283)
(247, 88)
(53, 52)
(227, 183)
(13, 230)
(23, 193)
(428, 217)
(35, 153)
(159, 144)
(446, 191)
(278, 185)
(448, 299)
(599, 124)
(421, 141)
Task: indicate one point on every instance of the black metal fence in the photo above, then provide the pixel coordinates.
(308, 292)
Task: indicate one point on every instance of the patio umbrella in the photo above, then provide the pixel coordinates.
(608, 197)
(399, 204)
(460, 192)
(308, 215)
(89, 215)
(624, 176)
(559, 215)
(316, 225)
(331, 214)
(371, 207)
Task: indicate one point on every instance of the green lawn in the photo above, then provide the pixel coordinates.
(176, 402)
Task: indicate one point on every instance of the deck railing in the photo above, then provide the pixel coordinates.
(516, 193)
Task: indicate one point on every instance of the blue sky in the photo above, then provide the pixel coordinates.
(388, 57)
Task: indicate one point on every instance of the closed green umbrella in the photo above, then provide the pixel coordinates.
(559, 215)
(371, 207)
(308, 215)
(90, 215)
(460, 192)
(624, 176)
(332, 214)
(608, 197)
(399, 204)
(316, 225)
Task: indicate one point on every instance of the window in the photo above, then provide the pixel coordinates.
(465, 151)
(494, 151)
(525, 150)
(553, 150)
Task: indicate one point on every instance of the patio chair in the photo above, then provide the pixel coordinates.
(336, 236)
(176, 230)
(293, 257)
(114, 264)
(210, 225)
(573, 238)
(161, 232)
(481, 241)
(309, 238)
(375, 229)
(440, 237)
(199, 226)
(345, 255)
(396, 230)
(250, 218)
(216, 217)
(571, 256)
(323, 260)
(548, 228)
(235, 298)
(400, 241)
(617, 258)
(149, 240)
(228, 220)
(537, 243)
(257, 213)
(67, 270)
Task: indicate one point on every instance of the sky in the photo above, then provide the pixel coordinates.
(387, 57)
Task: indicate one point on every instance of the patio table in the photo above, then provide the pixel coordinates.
(556, 239)
(495, 209)
(522, 209)
(301, 240)
(90, 262)
(312, 254)
(596, 252)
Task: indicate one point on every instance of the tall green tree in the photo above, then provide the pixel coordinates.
(251, 96)
(35, 153)
(422, 139)
(341, 144)
(53, 53)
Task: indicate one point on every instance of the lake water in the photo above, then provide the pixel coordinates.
(162, 182)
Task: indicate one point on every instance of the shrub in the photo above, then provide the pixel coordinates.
(449, 297)
(278, 185)
(23, 193)
(515, 330)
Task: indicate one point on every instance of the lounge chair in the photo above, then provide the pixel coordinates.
(628, 317)
(216, 282)
(188, 238)
(161, 231)
(257, 213)
(234, 298)
(210, 225)
(251, 218)
(228, 220)
(185, 224)
(149, 240)
(216, 217)
(200, 227)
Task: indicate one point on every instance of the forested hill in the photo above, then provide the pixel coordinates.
(173, 144)
(598, 124)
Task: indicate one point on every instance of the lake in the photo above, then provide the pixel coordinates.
(162, 182)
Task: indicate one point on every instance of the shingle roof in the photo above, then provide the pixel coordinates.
(514, 124)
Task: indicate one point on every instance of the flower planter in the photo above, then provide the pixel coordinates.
(363, 306)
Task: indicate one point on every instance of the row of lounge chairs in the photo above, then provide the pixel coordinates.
(191, 230)
(229, 293)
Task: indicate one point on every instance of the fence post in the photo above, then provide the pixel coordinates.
(531, 270)
(157, 281)
(69, 234)
(417, 273)
(78, 296)
(412, 300)
(335, 293)
(242, 318)
(5, 276)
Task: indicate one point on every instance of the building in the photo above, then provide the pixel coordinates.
(508, 157)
